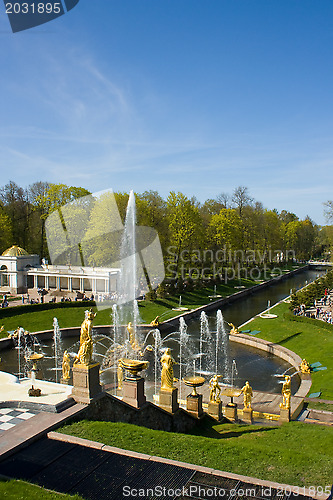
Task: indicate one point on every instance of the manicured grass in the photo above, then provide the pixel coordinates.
(319, 406)
(20, 490)
(295, 453)
(310, 340)
(39, 320)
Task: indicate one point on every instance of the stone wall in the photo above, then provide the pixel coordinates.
(111, 409)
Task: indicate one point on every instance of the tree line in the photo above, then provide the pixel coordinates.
(233, 229)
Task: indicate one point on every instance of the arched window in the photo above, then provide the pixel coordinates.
(4, 276)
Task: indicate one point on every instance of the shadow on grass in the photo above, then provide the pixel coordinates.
(207, 428)
(284, 341)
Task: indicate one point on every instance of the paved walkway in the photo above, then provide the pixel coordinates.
(19, 436)
(9, 417)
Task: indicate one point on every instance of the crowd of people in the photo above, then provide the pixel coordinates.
(322, 309)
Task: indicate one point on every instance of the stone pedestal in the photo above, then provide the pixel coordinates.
(194, 405)
(134, 392)
(86, 384)
(65, 381)
(168, 399)
(284, 415)
(215, 410)
(248, 415)
(231, 411)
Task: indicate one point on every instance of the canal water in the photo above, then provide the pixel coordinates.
(241, 311)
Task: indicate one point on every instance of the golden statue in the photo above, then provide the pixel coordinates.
(86, 326)
(132, 339)
(155, 323)
(247, 393)
(305, 367)
(167, 370)
(66, 366)
(234, 330)
(120, 374)
(84, 355)
(286, 392)
(215, 389)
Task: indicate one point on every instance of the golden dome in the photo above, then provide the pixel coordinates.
(14, 251)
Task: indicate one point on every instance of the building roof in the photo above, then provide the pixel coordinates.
(14, 251)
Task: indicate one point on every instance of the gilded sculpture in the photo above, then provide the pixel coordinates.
(155, 323)
(215, 389)
(286, 392)
(247, 394)
(84, 356)
(167, 370)
(132, 338)
(305, 367)
(66, 366)
(234, 330)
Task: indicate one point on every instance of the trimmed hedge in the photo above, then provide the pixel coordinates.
(304, 319)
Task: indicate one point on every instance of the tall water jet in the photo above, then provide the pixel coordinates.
(116, 324)
(128, 286)
(205, 344)
(157, 347)
(20, 332)
(57, 347)
(222, 356)
(183, 341)
(234, 371)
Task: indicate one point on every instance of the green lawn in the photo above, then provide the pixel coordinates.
(20, 490)
(39, 320)
(309, 339)
(295, 453)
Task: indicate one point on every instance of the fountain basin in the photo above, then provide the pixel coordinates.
(133, 366)
(35, 356)
(194, 382)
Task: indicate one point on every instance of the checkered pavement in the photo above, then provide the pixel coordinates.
(9, 417)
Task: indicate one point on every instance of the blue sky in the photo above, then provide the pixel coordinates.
(197, 96)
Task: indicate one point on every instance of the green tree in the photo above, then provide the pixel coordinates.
(6, 233)
(185, 225)
(102, 240)
(53, 197)
(14, 200)
(227, 229)
(151, 211)
(37, 192)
